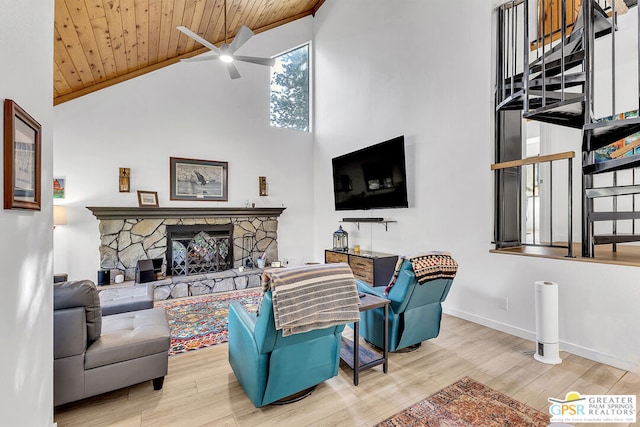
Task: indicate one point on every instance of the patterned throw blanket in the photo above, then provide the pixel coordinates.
(312, 297)
(427, 266)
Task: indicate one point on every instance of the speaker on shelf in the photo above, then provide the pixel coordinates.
(157, 265)
(61, 277)
(104, 277)
(144, 271)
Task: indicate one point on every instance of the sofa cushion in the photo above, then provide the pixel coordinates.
(130, 298)
(131, 335)
(81, 293)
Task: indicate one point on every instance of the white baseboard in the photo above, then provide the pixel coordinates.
(531, 336)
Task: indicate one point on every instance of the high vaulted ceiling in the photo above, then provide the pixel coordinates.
(98, 43)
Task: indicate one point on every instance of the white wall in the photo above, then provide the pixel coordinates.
(413, 68)
(191, 110)
(26, 306)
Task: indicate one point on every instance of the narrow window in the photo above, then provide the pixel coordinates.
(290, 90)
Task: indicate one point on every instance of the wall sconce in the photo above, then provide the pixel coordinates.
(125, 174)
(262, 180)
(59, 215)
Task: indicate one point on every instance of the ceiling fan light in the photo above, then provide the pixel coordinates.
(226, 58)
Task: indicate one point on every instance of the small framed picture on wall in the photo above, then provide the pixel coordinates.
(21, 158)
(59, 185)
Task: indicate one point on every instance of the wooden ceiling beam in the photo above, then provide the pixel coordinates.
(317, 7)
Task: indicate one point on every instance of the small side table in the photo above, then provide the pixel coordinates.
(360, 358)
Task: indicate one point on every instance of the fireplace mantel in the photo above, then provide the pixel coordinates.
(115, 212)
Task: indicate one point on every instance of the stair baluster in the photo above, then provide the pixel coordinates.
(541, 92)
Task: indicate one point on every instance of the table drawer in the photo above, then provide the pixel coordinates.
(332, 257)
(362, 268)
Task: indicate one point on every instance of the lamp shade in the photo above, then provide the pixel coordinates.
(59, 215)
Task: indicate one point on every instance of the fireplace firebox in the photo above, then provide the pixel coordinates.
(199, 249)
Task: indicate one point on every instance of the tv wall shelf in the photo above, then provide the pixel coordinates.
(357, 221)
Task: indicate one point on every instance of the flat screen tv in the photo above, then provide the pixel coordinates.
(371, 178)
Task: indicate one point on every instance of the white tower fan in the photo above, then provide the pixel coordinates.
(547, 323)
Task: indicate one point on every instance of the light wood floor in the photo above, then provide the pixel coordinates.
(201, 390)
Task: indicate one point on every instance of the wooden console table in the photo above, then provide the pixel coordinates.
(375, 268)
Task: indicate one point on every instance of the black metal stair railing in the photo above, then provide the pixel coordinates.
(536, 162)
(598, 134)
(551, 80)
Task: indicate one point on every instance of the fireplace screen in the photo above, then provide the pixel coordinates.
(204, 252)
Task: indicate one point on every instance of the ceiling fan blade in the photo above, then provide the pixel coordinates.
(200, 58)
(197, 38)
(233, 71)
(255, 60)
(241, 38)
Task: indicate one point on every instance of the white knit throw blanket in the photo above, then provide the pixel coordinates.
(312, 297)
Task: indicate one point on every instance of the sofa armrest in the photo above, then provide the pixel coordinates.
(377, 291)
(69, 332)
(248, 321)
(248, 364)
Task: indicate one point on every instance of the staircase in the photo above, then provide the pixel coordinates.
(551, 80)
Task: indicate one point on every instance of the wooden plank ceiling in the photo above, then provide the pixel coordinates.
(98, 43)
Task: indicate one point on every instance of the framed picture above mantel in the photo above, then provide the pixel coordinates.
(203, 180)
(147, 199)
(22, 162)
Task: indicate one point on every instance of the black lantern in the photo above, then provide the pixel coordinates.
(340, 240)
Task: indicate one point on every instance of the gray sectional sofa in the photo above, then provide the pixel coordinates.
(94, 354)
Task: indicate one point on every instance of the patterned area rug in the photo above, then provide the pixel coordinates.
(468, 403)
(201, 321)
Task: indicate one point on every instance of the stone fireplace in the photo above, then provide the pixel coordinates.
(201, 246)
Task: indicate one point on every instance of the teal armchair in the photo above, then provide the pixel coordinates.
(415, 310)
(269, 366)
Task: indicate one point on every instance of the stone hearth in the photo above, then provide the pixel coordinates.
(202, 284)
(131, 234)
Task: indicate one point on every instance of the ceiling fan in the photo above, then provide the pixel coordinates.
(226, 52)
